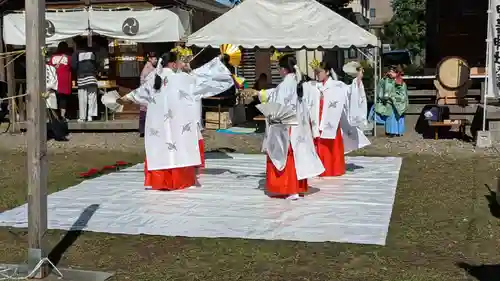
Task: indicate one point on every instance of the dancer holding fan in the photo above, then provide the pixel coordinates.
(292, 158)
(172, 147)
(333, 133)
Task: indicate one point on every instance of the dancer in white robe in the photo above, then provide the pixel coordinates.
(334, 135)
(358, 107)
(292, 158)
(171, 138)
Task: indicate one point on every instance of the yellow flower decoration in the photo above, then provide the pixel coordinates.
(277, 56)
(315, 64)
(184, 54)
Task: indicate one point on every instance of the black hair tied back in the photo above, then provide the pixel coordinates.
(165, 59)
(158, 82)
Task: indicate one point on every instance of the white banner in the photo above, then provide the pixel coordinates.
(145, 26)
(185, 17)
(493, 50)
(59, 26)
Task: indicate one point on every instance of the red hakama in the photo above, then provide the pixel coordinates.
(331, 151)
(170, 179)
(201, 144)
(285, 182)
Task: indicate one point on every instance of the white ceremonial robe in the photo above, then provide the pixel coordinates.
(171, 136)
(279, 137)
(358, 107)
(51, 84)
(335, 113)
(199, 105)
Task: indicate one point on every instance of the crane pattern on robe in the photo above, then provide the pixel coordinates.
(186, 127)
(171, 146)
(169, 115)
(333, 104)
(154, 132)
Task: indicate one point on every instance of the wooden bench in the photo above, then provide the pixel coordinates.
(218, 107)
(461, 123)
(261, 125)
(259, 118)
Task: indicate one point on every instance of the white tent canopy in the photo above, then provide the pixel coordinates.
(145, 26)
(59, 26)
(282, 23)
(141, 26)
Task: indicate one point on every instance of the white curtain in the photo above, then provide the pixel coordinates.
(60, 26)
(185, 18)
(145, 26)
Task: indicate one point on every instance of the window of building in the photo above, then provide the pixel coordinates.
(372, 13)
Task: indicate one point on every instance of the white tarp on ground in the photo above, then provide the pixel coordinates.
(144, 26)
(354, 208)
(282, 23)
(59, 26)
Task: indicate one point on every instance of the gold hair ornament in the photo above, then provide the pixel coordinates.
(315, 64)
(276, 56)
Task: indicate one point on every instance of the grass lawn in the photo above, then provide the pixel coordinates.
(441, 218)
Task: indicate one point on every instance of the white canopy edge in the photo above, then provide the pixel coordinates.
(143, 26)
(60, 26)
(155, 25)
(295, 24)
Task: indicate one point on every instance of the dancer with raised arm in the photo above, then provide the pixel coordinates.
(333, 133)
(358, 107)
(171, 137)
(291, 157)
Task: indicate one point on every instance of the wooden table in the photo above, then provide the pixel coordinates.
(261, 125)
(259, 118)
(462, 123)
(219, 106)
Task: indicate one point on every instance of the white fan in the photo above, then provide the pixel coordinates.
(109, 100)
(278, 114)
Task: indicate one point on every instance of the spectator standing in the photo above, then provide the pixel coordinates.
(61, 61)
(84, 63)
(149, 67)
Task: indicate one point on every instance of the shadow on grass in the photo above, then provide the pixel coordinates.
(493, 204)
(484, 272)
(72, 235)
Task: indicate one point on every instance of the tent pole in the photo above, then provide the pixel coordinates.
(488, 62)
(375, 86)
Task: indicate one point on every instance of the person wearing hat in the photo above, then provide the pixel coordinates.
(358, 108)
(148, 68)
(392, 102)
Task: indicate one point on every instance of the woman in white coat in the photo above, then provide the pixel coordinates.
(292, 158)
(334, 135)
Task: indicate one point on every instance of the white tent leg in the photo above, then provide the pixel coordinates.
(375, 86)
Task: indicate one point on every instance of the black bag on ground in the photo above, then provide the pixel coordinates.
(57, 128)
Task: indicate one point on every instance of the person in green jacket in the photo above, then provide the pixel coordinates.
(392, 102)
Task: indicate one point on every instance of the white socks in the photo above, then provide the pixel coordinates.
(293, 197)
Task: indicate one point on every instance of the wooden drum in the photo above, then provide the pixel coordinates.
(453, 73)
